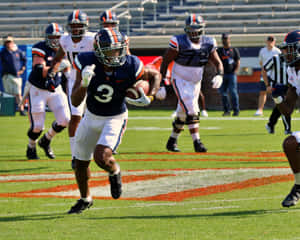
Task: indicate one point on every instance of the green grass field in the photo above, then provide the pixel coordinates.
(233, 192)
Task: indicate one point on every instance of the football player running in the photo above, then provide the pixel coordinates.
(291, 145)
(45, 89)
(103, 77)
(78, 39)
(191, 52)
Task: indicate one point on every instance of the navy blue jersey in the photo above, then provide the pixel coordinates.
(42, 50)
(192, 54)
(106, 91)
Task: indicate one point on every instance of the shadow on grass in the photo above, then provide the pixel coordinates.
(238, 214)
(33, 217)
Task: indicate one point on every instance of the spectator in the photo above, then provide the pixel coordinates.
(264, 55)
(230, 58)
(13, 66)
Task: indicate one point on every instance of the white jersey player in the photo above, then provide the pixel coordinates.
(190, 53)
(78, 40)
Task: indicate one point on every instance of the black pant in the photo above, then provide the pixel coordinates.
(285, 119)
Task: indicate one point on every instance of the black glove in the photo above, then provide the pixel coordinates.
(50, 81)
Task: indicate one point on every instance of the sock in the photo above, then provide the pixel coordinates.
(297, 178)
(31, 143)
(87, 199)
(175, 135)
(50, 134)
(195, 136)
(72, 144)
(117, 171)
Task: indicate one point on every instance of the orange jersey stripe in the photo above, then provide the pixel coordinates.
(141, 74)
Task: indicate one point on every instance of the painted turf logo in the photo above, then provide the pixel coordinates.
(160, 185)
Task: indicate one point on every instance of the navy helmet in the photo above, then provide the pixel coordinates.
(53, 33)
(291, 47)
(77, 23)
(110, 47)
(108, 19)
(194, 26)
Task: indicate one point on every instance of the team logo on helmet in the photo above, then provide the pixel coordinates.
(110, 47)
(53, 33)
(291, 47)
(194, 26)
(77, 23)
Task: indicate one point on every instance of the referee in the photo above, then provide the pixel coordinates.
(277, 67)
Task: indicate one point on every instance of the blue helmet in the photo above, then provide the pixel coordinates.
(53, 33)
(291, 47)
(108, 18)
(194, 26)
(77, 23)
(110, 47)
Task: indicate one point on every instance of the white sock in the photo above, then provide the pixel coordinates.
(87, 199)
(297, 178)
(31, 143)
(72, 145)
(117, 171)
(175, 135)
(195, 136)
(50, 134)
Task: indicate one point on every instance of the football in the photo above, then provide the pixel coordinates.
(133, 91)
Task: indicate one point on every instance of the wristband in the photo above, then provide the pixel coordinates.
(219, 72)
(278, 99)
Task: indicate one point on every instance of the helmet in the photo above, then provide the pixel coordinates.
(194, 26)
(291, 47)
(108, 18)
(77, 23)
(110, 47)
(53, 33)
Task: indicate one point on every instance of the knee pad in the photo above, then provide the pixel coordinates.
(191, 119)
(178, 124)
(57, 128)
(33, 135)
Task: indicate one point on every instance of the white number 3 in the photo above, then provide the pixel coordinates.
(104, 93)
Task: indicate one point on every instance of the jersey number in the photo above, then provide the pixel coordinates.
(104, 93)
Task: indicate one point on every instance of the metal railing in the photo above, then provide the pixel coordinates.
(154, 2)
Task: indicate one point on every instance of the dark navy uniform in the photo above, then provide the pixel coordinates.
(106, 91)
(43, 50)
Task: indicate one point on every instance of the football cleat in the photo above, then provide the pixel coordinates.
(199, 146)
(115, 185)
(287, 132)
(31, 153)
(292, 198)
(172, 145)
(270, 129)
(225, 114)
(44, 143)
(79, 206)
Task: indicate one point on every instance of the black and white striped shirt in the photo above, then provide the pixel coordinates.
(277, 68)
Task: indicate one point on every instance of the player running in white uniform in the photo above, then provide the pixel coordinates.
(190, 53)
(45, 89)
(78, 40)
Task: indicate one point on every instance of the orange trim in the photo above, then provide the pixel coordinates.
(56, 27)
(37, 53)
(114, 35)
(141, 73)
(255, 77)
(109, 15)
(75, 66)
(76, 14)
(194, 18)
